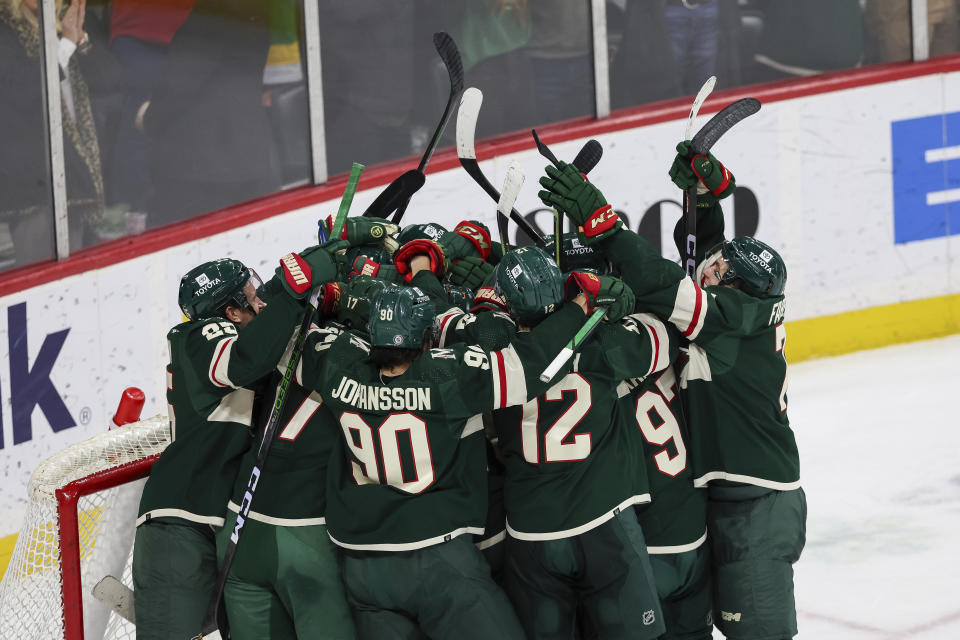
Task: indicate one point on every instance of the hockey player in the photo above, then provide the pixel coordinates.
(408, 484)
(743, 448)
(230, 341)
(675, 522)
(576, 555)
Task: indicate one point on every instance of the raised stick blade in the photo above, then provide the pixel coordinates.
(117, 596)
(721, 123)
(467, 123)
(705, 91)
(589, 156)
(544, 149)
(395, 193)
(511, 188)
(450, 55)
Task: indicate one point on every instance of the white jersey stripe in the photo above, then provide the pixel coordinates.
(278, 522)
(660, 341)
(497, 371)
(593, 524)
(409, 546)
(445, 320)
(516, 383)
(678, 548)
(735, 477)
(220, 363)
(689, 309)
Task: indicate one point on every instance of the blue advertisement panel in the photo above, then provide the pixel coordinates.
(926, 177)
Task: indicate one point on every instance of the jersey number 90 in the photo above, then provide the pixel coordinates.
(379, 448)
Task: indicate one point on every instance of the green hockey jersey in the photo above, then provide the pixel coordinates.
(410, 468)
(736, 373)
(211, 388)
(573, 456)
(676, 519)
(291, 490)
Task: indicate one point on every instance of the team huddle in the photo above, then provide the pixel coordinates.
(425, 481)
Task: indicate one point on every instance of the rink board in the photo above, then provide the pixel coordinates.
(854, 187)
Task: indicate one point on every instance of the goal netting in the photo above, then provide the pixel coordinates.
(79, 527)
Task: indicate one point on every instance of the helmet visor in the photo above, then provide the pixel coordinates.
(251, 291)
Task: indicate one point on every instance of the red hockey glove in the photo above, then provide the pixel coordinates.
(429, 248)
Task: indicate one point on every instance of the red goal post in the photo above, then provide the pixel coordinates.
(79, 527)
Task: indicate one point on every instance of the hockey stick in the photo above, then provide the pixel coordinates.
(209, 629)
(117, 596)
(690, 195)
(701, 145)
(586, 160)
(511, 189)
(337, 229)
(578, 339)
(450, 55)
(466, 135)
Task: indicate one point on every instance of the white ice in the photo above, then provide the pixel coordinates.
(879, 439)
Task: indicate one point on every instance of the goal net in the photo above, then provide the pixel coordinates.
(79, 527)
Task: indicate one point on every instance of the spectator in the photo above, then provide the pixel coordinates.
(888, 29)
(693, 27)
(210, 138)
(25, 201)
(799, 40)
(367, 90)
(561, 58)
(643, 68)
(491, 37)
(140, 34)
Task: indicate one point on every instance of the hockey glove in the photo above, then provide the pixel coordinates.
(329, 301)
(486, 299)
(469, 239)
(414, 248)
(714, 181)
(363, 266)
(569, 191)
(601, 291)
(360, 231)
(300, 272)
(469, 272)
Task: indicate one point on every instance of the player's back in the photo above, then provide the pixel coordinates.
(572, 455)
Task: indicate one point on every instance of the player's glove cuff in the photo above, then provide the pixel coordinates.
(295, 274)
(602, 223)
(486, 299)
(477, 234)
(583, 282)
(414, 248)
(363, 266)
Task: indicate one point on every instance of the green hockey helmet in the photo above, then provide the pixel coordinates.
(458, 296)
(530, 283)
(428, 231)
(578, 257)
(400, 317)
(756, 264)
(206, 289)
(354, 308)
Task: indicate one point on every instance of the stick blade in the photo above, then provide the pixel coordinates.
(396, 193)
(117, 596)
(511, 188)
(722, 122)
(450, 55)
(705, 91)
(589, 156)
(467, 115)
